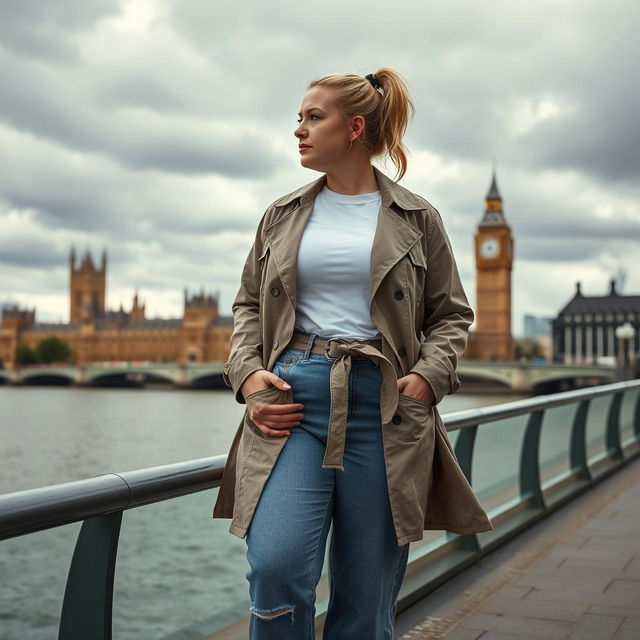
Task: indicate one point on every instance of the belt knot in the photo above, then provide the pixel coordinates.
(336, 347)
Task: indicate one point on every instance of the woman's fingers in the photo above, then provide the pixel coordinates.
(276, 433)
(281, 421)
(277, 413)
(283, 408)
(275, 419)
(278, 430)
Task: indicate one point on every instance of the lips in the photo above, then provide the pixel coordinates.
(302, 147)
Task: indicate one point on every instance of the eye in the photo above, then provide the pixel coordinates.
(312, 116)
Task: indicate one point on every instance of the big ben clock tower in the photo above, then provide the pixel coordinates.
(494, 259)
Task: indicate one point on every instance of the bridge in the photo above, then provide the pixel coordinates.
(528, 377)
(180, 375)
(561, 561)
(522, 377)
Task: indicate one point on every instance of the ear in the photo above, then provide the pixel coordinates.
(357, 127)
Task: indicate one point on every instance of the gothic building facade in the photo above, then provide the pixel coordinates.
(96, 334)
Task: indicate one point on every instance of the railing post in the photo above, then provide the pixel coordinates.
(578, 446)
(88, 597)
(465, 443)
(464, 449)
(530, 460)
(613, 427)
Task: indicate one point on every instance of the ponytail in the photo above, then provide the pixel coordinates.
(383, 100)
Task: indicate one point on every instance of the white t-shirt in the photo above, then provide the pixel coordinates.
(334, 261)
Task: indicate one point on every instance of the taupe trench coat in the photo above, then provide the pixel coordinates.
(419, 306)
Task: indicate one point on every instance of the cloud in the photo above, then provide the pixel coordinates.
(52, 106)
(162, 129)
(45, 30)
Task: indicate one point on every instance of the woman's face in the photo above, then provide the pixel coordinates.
(323, 133)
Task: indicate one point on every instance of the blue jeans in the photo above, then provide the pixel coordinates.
(287, 536)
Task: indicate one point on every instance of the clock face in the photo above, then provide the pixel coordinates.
(489, 248)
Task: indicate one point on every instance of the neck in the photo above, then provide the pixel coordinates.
(352, 178)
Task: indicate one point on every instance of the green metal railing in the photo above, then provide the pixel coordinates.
(99, 502)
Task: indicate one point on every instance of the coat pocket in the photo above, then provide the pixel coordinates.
(418, 414)
(270, 395)
(404, 396)
(257, 454)
(412, 440)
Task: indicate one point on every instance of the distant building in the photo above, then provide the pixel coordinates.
(584, 331)
(535, 343)
(537, 326)
(95, 334)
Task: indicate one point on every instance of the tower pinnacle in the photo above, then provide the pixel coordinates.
(494, 194)
(493, 215)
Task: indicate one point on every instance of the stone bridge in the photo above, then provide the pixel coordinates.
(518, 376)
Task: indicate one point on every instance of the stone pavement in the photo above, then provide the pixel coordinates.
(573, 576)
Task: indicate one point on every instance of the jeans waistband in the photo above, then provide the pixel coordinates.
(340, 351)
(313, 343)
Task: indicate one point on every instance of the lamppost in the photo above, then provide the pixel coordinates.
(625, 333)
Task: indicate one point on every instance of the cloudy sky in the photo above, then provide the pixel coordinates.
(161, 130)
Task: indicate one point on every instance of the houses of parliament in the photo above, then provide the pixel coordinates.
(95, 334)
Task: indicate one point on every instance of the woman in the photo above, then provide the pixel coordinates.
(348, 327)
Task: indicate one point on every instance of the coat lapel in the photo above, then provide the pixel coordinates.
(285, 234)
(393, 237)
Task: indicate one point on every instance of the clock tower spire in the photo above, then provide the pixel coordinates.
(494, 261)
(493, 214)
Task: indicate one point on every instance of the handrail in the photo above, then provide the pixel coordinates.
(469, 417)
(31, 510)
(99, 502)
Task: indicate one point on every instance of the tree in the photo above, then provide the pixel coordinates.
(52, 349)
(24, 354)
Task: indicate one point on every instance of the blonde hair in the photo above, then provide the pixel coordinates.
(386, 112)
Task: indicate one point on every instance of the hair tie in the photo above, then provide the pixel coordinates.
(375, 83)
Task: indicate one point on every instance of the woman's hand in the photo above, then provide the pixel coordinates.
(262, 379)
(414, 385)
(272, 419)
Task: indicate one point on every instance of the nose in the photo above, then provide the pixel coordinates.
(300, 132)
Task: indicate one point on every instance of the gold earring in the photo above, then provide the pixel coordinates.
(350, 145)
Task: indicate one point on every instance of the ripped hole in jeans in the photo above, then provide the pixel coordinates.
(272, 613)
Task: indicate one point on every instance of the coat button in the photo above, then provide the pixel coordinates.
(275, 344)
(402, 352)
(275, 291)
(396, 419)
(398, 295)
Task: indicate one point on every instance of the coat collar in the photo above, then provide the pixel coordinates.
(391, 192)
(394, 235)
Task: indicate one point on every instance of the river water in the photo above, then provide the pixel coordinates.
(179, 573)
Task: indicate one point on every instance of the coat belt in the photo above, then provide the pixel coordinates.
(340, 350)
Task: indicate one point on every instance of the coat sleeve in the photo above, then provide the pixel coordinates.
(448, 314)
(245, 354)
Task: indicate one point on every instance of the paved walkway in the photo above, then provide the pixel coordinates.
(575, 575)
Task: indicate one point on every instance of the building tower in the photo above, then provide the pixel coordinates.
(494, 259)
(87, 286)
(137, 309)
